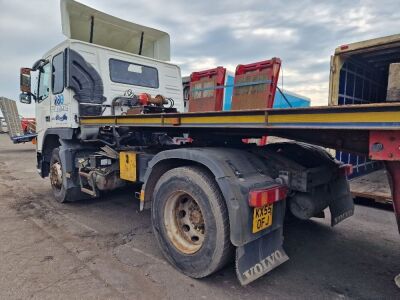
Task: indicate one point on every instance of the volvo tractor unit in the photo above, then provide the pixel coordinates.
(109, 110)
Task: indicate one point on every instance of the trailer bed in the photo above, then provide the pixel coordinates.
(369, 116)
(374, 186)
(360, 118)
(371, 129)
(337, 127)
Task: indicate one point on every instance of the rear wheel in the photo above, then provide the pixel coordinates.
(190, 221)
(59, 183)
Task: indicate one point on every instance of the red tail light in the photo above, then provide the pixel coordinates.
(258, 198)
(347, 169)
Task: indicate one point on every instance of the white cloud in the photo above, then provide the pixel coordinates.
(274, 32)
(189, 65)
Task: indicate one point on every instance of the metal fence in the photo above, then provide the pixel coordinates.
(360, 85)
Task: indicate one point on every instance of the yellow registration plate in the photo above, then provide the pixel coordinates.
(262, 217)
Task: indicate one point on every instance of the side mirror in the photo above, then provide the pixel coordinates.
(25, 98)
(25, 80)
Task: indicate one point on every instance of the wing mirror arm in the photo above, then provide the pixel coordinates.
(25, 81)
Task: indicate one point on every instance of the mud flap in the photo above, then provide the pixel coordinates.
(341, 204)
(260, 256)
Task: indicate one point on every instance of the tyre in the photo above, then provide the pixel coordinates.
(58, 184)
(190, 221)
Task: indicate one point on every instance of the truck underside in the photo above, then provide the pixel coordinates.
(215, 194)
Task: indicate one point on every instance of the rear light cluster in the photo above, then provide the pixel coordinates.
(261, 197)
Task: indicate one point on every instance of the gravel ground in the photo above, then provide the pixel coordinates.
(104, 249)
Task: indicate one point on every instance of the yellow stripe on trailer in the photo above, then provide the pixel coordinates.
(127, 120)
(97, 121)
(224, 119)
(364, 117)
(385, 116)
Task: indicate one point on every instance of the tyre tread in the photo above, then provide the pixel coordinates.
(204, 178)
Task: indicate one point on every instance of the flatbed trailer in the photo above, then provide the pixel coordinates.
(372, 129)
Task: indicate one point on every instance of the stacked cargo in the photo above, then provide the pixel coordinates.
(253, 86)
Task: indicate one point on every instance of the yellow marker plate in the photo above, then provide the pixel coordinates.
(262, 217)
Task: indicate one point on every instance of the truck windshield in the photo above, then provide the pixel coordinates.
(43, 89)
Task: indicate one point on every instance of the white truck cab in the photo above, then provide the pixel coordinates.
(103, 58)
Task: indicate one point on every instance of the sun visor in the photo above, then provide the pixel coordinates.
(81, 22)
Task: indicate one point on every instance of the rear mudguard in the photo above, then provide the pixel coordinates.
(236, 172)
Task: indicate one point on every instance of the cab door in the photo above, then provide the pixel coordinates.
(43, 102)
(60, 102)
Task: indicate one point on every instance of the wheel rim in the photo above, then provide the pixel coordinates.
(184, 222)
(56, 175)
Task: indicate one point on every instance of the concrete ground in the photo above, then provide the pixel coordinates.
(104, 249)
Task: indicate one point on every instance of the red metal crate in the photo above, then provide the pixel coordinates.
(255, 84)
(204, 92)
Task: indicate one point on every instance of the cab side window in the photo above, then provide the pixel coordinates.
(133, 74)
(44, 83)
(57, 75)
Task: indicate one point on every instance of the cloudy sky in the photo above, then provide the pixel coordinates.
(208, 33)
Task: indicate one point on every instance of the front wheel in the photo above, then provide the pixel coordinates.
(190, 221)
(59, 184)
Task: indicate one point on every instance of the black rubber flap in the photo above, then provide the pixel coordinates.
(342, 205)
(259, 257)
